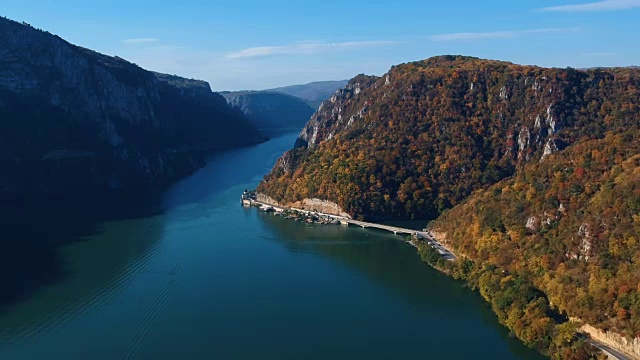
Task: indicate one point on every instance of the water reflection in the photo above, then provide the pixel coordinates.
(112, 236)
(35, 232)
(387, 260)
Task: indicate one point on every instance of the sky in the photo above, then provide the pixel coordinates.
(259, 44)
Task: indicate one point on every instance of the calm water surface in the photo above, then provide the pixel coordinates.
(203, 278)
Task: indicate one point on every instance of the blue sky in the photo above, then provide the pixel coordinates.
(254, 44)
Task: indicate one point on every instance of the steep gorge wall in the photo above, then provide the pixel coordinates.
(75, 120)
(270, 111)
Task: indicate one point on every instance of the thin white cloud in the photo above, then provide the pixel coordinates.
(140, 41)
(498, 34)
(303, 48)
(606, 5)
(164, 47)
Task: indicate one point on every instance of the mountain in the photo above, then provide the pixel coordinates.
(75, 120)
(271, 112)
(554, 239)
(285, 108)
(313, 93)
(424, 136)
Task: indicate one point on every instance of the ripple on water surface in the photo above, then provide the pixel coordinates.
(208, 279)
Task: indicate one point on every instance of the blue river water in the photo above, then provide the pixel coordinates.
(200, 277)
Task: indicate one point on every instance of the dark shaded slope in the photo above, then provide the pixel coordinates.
(73, 120)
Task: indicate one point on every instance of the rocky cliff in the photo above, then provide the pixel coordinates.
(75, 120)
(336, 113)
(271, 112)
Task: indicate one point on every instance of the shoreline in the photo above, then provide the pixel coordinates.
(609, 348)
(250, 198)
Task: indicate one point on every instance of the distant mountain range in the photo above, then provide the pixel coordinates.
(282, 109)
(271, 112)
(314, 93)
(75, 120)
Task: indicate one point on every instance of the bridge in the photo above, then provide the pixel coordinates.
(420, 235)
(393, 229)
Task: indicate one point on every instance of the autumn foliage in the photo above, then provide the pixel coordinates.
(533, 175)
(422, 138)
(575, 238)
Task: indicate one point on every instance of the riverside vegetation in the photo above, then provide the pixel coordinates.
(532, 174)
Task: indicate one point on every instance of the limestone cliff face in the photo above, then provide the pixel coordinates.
(337, 113)
(271, 112)
(72, 119)
(526, 105)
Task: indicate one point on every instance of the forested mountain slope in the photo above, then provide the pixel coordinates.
(568, 226)
(423, 137)
(533, 172)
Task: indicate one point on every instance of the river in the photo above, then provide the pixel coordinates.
(193, 275)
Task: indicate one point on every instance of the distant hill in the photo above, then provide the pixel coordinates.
(313, 93)
(271, 112)
(611, 67)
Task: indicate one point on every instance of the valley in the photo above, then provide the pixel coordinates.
(433, 205)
